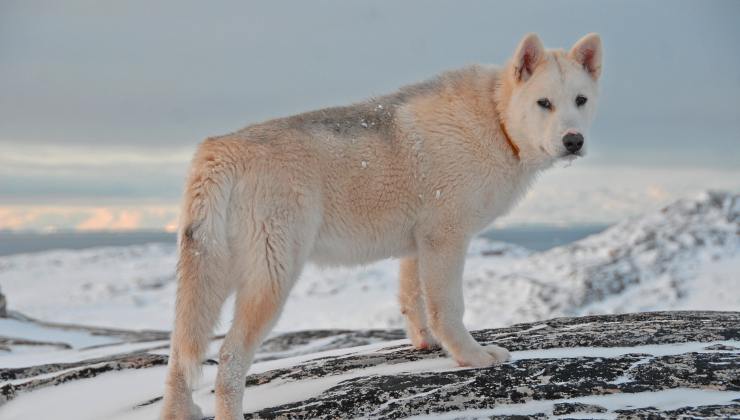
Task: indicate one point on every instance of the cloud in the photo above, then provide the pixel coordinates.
(81, 217)
(107, 219)
(34, 174)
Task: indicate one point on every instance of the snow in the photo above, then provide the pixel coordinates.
(126, 287)
(126, 390)
(669, 399)
(39, 356)
(260, 367)
(122, 388)
(75, 339)
(281, 392)
(653, 350)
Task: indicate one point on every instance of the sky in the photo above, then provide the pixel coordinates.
(103, 103)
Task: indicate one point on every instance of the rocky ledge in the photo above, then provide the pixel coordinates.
(644, 365)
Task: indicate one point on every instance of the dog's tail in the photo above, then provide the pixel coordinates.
(203, 266)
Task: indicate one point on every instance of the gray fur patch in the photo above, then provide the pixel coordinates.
(373, 115)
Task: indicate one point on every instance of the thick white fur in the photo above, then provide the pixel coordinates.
(413, 175)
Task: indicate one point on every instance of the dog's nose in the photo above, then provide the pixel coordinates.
(573, 142)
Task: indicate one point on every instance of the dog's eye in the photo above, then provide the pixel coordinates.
(581, 100)
(544, 103)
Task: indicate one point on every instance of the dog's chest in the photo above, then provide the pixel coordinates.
(498, 196)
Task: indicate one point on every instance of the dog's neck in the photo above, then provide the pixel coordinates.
(509, 141)
(502, 86)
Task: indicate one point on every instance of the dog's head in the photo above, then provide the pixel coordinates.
(547, 98)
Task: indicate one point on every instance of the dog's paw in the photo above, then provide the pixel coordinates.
(189, 411)
(428, 343)
(501, 354)
(421, 339)
(483, 356)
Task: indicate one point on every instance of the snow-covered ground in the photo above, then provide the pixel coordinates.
(143, 384)
(685, 256)
(613, 366)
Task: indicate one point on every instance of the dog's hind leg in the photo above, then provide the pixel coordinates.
(274, 260)
(198, 306)
(412, 305)
(204, 282)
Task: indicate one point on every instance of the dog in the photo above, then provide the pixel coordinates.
(412, 175)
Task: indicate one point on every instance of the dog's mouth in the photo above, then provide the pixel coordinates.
(571, 156)
(565, 156)
(567, 159)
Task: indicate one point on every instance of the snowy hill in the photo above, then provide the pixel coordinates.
(685, 256)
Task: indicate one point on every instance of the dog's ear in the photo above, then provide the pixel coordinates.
(528, 54)
(587, 52)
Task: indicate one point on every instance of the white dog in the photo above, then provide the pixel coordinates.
(412, 175)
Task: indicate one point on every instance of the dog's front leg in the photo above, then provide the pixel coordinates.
(441, 262)
(412, 305)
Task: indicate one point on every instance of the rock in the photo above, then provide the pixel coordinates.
(3, 306)
(560, 409)
(730, 411)
(579, 358)
(721, 347)
(644, 365)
